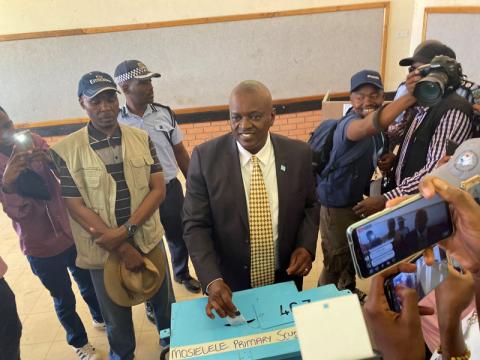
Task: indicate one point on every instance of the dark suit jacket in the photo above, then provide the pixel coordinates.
(215, 214)
(413, 243)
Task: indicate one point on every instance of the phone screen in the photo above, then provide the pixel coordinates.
(23, 140)
(399, 233)
(424, 280)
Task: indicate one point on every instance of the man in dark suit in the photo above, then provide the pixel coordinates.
(419, 237)
(231, 247)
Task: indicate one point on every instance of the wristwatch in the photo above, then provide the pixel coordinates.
(131, 229)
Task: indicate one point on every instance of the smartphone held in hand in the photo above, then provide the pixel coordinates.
(423, 281)
(390, 236)
(23, 140)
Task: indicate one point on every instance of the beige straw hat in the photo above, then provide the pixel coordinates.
(127, 288)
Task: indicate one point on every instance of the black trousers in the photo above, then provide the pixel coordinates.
(171, 218)
(10, 325)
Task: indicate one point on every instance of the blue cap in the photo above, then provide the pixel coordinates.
(95, 82)
(366, 77)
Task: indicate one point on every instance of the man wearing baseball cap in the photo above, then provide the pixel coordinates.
(113, 184)
(427, 132)
(425, 52)
(159, 121)
(420, 55)
(357, 145)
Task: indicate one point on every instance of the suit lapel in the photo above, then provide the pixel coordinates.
(281, 169)
(234, 175)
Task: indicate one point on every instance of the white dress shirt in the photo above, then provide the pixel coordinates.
(266, 157)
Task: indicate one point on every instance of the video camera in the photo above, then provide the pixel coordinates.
(442, 75)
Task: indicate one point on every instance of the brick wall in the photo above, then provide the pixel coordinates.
(295, 125)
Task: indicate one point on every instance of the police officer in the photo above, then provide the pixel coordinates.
(159, 121)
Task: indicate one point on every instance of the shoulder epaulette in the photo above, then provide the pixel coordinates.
(170, 111)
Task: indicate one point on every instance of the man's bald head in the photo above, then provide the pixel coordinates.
(251, 114)
(255, 88)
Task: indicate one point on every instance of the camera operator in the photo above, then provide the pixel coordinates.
(429, 129)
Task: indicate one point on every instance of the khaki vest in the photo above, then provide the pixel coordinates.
(98, 190)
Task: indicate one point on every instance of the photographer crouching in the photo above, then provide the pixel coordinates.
(439, 117)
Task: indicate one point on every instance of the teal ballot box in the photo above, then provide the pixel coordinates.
(267, 332)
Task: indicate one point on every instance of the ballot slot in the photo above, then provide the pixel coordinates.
(279, 309)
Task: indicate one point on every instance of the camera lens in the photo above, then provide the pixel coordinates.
(430, 89)
(428, 93)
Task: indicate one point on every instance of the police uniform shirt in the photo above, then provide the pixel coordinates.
(163, 132)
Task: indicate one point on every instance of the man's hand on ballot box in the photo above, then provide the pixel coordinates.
(220, 300)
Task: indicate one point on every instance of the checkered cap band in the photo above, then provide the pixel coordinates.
(139, 71)
(262, 249)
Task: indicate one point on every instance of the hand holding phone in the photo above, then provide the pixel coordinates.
(463, 245)
(386, 238)
(394, 334)
(16, 164)
(423, 280)
(454, 294)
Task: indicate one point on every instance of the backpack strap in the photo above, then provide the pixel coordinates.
(357, 149)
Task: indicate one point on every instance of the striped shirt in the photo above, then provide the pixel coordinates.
(467, 89)
(109, 149)
(454, 125)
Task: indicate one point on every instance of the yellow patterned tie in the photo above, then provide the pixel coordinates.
(262, 250)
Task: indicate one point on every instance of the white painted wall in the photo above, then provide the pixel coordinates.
(19, 16)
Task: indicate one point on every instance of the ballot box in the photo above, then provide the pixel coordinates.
(335, 109)
(266, 331)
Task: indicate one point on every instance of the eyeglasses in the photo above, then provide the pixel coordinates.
(412, 68)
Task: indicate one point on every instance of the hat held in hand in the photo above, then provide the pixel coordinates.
(128, 288)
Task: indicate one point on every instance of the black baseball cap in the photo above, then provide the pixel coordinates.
(426, 51)
(132, 69)
(95, 82)
(366, 77)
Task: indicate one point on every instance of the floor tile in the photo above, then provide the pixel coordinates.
(35, 351)
(40, 328)
(60, 350)
(148, 347)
